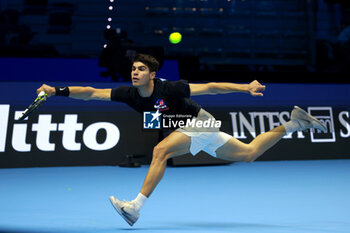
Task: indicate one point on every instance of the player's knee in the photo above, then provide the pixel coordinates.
(252, 154)
(159, 153)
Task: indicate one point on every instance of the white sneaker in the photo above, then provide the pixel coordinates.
(306, 121)
(126, 209)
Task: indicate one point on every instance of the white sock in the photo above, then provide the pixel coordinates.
(291, 126)
(139, 201)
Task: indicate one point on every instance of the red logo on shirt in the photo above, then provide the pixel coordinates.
(160, 105)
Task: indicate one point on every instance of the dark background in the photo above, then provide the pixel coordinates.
(233, 40)
(136, 141)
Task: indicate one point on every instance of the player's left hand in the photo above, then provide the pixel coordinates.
(256, 89)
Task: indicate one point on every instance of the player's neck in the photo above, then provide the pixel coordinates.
(146, 90)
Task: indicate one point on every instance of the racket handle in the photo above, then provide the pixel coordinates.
(41, 93)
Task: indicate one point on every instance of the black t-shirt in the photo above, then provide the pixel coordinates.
(169, 97)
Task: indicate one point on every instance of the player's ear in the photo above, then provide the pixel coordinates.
(153, 75)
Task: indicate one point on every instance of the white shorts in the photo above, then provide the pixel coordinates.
(208, 140)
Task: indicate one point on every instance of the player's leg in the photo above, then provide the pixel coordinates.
(173, 145)
(235, 150)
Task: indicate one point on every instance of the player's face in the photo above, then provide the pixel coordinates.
(140, 74)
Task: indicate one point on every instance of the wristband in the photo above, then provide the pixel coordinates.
(62, 91)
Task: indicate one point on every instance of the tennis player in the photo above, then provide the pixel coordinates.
(149, 93)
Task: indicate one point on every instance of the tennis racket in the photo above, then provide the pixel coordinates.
(42, 97)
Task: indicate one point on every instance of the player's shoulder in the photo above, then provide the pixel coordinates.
(161, 81)
(123, 91)
(164, 81)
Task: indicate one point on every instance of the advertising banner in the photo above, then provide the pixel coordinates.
(68, 132)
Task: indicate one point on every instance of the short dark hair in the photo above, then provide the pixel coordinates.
(148, 60)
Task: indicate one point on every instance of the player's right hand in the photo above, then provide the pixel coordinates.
(47, 89)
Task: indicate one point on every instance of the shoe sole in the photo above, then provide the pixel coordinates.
(120, 211)
(321, 127)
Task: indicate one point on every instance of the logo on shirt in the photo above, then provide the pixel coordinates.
(152, 120)
(160, 105)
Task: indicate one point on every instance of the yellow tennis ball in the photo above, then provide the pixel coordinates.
(175, 37)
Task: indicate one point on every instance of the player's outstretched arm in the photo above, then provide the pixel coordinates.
(254, 88)
(76, 92)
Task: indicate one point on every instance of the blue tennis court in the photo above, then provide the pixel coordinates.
(284, 196)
